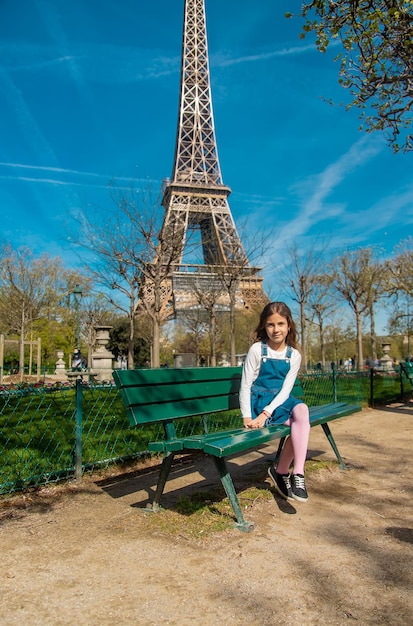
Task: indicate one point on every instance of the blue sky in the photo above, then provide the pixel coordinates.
(89, 93)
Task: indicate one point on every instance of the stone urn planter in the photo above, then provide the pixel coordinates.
(102, 359)
(386, 361)
(60, 370)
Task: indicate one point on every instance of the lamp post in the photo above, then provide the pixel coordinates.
(77, 296)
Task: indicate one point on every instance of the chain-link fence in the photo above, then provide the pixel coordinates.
(50, 433)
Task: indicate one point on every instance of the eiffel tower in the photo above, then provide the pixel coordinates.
(195, 198)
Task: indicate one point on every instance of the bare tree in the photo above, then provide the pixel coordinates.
(399, 276)
(122, 255)
(378, 291)
(399, 269)
(336, 337)
(235, 275)
(195, 323)
(321, 303)
(95, 311)
(301, 274)
(211, 301)
(356, 278)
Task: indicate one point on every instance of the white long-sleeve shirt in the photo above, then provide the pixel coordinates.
(250, 373)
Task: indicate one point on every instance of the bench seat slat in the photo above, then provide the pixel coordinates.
(192, 442)
(318, 415)
(226, 445)
(167, 445)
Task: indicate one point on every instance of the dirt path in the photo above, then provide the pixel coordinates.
(86, 555)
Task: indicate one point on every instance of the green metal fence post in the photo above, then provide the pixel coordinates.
(372, 387)
(334, 384)
(78, 429)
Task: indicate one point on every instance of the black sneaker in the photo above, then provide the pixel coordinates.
(281, 482)
(299, 492)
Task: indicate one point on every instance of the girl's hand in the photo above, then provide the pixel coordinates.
(259, 421)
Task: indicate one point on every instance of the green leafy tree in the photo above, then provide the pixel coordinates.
(119, 342)
(376, 61)
(31, 289)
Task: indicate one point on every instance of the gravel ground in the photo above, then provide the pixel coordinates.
(87, 554)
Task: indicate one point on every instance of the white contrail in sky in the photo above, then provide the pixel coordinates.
(61, 170)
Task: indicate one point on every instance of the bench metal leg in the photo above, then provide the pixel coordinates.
(280, 447)
(330, 437)
(228, 485)
(163, 477)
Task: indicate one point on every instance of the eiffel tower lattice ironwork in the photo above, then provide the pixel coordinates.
(195, 199)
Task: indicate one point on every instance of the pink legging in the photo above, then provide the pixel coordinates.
(296, 444)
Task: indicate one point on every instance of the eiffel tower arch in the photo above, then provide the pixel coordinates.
(195, 199)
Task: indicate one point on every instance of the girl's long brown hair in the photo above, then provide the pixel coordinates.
(282, 309)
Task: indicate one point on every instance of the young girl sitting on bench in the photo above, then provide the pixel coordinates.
(269, 372)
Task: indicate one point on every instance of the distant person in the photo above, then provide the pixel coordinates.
(268, 376)
(77, 361)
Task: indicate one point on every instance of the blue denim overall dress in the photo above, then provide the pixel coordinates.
(268, 383)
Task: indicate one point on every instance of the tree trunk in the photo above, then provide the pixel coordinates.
(89, 346)
(359, 340)
(21, 348)
(322, 346)
(303, 336)
(156, 333)
(212, 335)
(373, 334)
(232, 330)
(30, 355)
(131, 341)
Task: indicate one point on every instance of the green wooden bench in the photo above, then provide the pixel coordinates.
(164, 395)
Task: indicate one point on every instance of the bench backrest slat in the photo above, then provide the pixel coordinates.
(154, 395)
